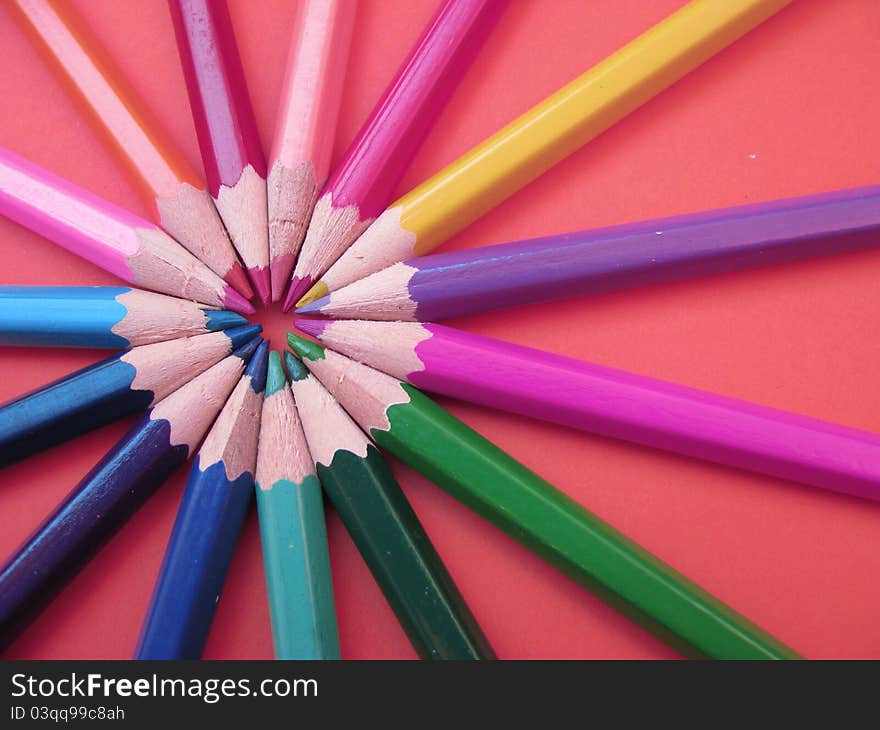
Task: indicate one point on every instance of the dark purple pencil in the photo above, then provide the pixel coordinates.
(431, 288)
(113, 491)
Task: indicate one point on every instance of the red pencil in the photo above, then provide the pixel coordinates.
(226, 128)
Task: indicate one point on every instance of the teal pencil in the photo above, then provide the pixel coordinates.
(292, 530)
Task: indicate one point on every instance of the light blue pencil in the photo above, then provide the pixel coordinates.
(102, 317)
(292, 530)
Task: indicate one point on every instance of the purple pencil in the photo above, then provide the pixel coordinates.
(441, 286)
(364, 182)
(612, 402)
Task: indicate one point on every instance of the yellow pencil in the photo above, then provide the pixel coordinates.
(495, 169)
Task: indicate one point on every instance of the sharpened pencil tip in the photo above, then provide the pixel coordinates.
(260, 280)
(275, 378)
(237, 302)
(313, 327)
(279, 274)
(305, 348)
(296, 370)
(316, 292)
(237, 279)
(313, 307)
(257, 367)
(239, 335)
(246, 350)
(297, 287)
(222, 319)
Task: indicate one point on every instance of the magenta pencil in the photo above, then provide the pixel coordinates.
(226, 129)
(305, 128)
(363, 184)
(445, 285)
(613, 403)
(134, 249)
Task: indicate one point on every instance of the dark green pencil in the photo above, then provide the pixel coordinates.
(384, 527)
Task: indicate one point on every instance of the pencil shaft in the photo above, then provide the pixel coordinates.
(305, 127)
(364, 181)
(86, 520)
(312, 89)
(169, 185)
(297, 564)
(385, 528)
(442, 286)
(618, 404)
(115, 387)
(226, 129)
(102, 317)
(105, 97)
(134, 249)
(213, 508)
(120, 483)
(418, 431)
(479, 180)
(199, 552)
(292, 530)
(402, 559)
(570, 537)
(221, 107)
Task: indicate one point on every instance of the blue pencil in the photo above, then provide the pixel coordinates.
(160, 441)
(108, 317)
(215, 502)
(293, 531)
(110, 389)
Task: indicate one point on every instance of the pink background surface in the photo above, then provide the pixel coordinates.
(790, 109)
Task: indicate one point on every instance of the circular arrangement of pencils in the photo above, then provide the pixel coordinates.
(321, 436)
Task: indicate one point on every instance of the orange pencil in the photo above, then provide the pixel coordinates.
(173, 191)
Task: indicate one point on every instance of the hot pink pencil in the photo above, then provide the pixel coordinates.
(305, 128)
(612, 402)
(120, 242)
(226, 129)
(363, 184)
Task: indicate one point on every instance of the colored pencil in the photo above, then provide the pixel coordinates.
(365, 180)
(527, 147)
(109, 317)
(292, 531)
(118, 485)
(212, 510)
(171, 188)
(385, 528)
(411, 426)
(226, 129)
(441, 286)
(104, 234)
(115, 387)
(614, 403)
(305, 128)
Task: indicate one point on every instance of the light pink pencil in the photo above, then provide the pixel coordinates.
(134, 249)
(612, 402)
(362, 185)
(305, 127)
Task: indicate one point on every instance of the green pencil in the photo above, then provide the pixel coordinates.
(384, 527)
(418, 431)
(292, 531)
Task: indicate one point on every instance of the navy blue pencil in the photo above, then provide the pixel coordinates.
(118, 386)
(109, 317)
(161, 440)
(215, 502)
